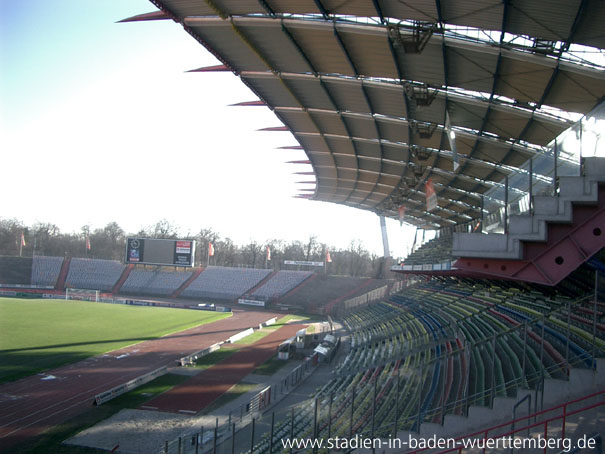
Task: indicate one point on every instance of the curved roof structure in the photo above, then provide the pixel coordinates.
(383, 95)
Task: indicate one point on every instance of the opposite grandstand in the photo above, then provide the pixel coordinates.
(280, 284)
(46, 270)
(224, 283)
(93, 274)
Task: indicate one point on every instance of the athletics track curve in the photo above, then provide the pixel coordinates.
(32, 405)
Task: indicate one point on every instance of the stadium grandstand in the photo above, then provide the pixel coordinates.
(479, 121)
(320, 290)
(46, 270)
(93, 274)
(157, 283)
(224, 283)
(281, 283)
(434, 251)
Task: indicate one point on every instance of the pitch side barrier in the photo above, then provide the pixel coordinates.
(240, 335)
(190, 359)
(28, 286)
(103, 298)
(30, 293)
(137, 302)
(271, 321)
(129, 385)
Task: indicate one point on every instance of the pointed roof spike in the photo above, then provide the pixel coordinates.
(209, 69)
(303, 173)
(290, 147)
(299, 162)
(258, 102)
(306, 182)
(154, 15)
(307, 189)
(302, 196)
(274, 128)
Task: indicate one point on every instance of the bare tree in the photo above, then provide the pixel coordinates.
(253, 252)
(10, 235)
(204, 237)
(310, 246)
(108, 243)
(165, 229)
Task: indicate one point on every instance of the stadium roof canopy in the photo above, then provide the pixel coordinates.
(373, 90)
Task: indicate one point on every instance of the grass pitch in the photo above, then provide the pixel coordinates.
(36, 335)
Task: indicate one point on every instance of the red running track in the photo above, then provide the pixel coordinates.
(32, 405)
(201, 390)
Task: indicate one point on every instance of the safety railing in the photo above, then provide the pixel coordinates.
(502, 430)
(250, 414)
(539, 175)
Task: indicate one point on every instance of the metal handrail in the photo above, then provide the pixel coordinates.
(565, 414)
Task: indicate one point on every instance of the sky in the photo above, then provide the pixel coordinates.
(100, 122)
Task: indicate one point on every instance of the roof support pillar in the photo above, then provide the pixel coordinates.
(385, 237)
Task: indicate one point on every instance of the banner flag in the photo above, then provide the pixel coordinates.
(401, 211)
(431, 196)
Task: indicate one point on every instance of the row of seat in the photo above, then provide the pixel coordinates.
(93, 274)
(325, 289)
(439, 347)
(156, 282)
(46, 270)
(224, 283)
(437, 250)
(281, 283)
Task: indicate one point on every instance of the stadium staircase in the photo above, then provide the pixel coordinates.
(185, 284)
(63, 275)
(116, 288)
(299, 286)
(260, 284)
(563, 232)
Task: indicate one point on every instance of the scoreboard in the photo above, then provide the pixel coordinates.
(152, 251)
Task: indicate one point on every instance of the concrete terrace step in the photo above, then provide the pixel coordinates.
(185, 284)
(582, 382)
(63, 275)
(534, 228)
